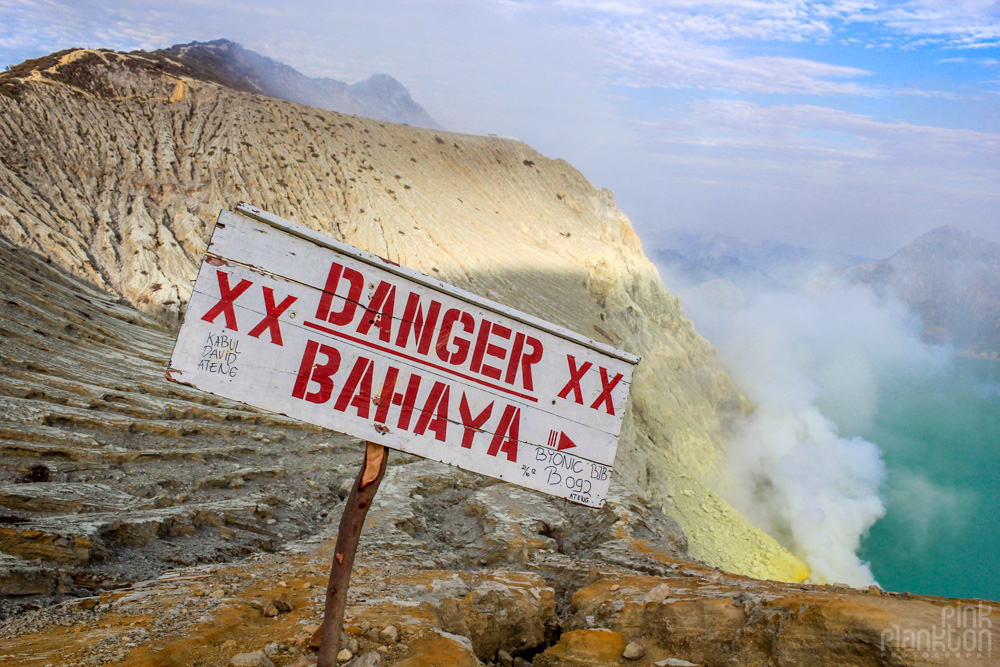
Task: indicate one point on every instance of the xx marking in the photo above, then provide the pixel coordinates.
(606, 387)
(226, 298)
(228, 295)
(576, 373)
(270, 321)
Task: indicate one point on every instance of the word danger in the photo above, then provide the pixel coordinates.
(407, 401)
(412, 322)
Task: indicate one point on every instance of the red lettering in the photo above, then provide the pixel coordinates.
(356, 284)
(515, 356)
(226, 298)
(407, 402)
(523, 361)
(323, 374)
(481, 338)
(435, 413)
(461, 353)
(472, 424)
(510, 424)
(357, 390)
(414, 320)
(575, 374)
(384, 400)
(270, 321)
(496, 351)
(606, 387)
(529, 360)
(379, 312)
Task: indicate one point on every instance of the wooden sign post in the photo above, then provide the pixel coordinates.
(352, 520)
(286, 319)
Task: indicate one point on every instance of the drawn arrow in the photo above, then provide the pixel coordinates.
(560, 441)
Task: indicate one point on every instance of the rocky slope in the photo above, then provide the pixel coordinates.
(126, 498)
(380, 96)
(521, 581)
(115, 166)
(949, 278)
(111, 474)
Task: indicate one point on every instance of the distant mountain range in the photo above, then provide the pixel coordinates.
(380, 97)
(951, 279)
(691, 258)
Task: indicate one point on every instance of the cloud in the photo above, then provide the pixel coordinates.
(606, 7)
(716, 20)
(680, 46)
(838, 143)
(811, 361)
(642, 56)
(808, 175)
(32, 28)
(698, 43)
(43, 26)
(939, 94)
(963, 23)
(958, 22)
(928, 511)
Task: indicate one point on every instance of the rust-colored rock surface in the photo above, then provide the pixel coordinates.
(558, 610)
(726, 620)
(584, 648)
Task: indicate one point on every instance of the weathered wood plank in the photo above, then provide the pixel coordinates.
(337, 337)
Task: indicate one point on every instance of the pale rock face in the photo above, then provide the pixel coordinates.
(116, 172)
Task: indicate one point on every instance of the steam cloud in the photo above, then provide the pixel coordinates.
(926, 510)
(810, 360)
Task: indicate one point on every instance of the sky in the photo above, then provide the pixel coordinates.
(848, 125)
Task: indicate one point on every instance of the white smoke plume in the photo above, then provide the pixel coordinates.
(929, 511)
(810, 360)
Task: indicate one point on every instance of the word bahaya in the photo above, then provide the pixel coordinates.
(430, 402)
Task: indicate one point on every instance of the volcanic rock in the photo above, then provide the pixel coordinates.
(114, 167)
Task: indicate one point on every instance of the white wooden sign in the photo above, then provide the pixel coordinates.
(286, 319)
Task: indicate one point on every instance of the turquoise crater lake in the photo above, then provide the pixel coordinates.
(939, 434)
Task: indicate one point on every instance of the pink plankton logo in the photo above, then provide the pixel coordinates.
(965, 631)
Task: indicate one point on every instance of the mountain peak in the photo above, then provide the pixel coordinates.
(947, 243)
(382, 81)
(951, 279)
(382, 86)
(381, 96)
(948, 232)
(98, 73)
